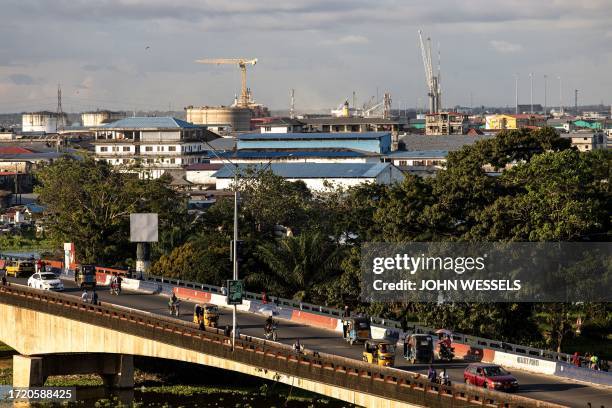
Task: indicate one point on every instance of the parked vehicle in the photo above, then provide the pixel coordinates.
(356, 329)
(85, 276)
(419, 348)
(19, 268)
(491, 376)
(379, 352)
(45, 281)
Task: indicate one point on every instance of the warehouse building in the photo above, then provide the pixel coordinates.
(317, 177)
(375, 142)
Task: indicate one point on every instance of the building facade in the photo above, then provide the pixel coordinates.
(587, 141)
(375, 142)
(446, 123)
(42, 122)
(151, 145)
(501, 122)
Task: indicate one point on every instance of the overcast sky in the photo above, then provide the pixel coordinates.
(137, 54)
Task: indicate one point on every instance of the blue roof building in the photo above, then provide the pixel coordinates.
(375, 142)
(316, 176)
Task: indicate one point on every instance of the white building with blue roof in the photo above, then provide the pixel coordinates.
(156, 144)
(316, 176)
(375, 142)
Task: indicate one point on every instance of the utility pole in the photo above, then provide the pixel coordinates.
(576, 102)
(516, 77)
(235, 250)
(531, 92)
(560, 96)
(545, 95)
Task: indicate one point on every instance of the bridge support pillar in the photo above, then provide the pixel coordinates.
(119, 372)
(28, 371)
(116, 370)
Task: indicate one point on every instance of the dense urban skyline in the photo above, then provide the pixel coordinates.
(140, 55)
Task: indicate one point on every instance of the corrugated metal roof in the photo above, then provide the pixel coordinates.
(444, 142)
(161, 122)
(418, 153)
(313, 136)
(310, 170)
(257, 154)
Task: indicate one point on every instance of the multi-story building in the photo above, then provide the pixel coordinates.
(376, 142)
(446, 123)
(151, 145)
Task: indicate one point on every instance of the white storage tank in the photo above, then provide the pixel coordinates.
(40, 122)
(100, 117)
(237, 119)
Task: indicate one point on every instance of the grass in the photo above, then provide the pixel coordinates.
(27, 241)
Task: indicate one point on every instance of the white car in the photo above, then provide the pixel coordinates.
(45, 281)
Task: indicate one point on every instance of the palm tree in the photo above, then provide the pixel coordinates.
(297, 264)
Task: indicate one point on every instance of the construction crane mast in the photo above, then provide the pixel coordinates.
(433, 81)
(242, 63)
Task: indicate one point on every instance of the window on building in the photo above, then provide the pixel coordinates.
(148, 148)
(403, 162)
(115, 149)
(160, 148)
(172, 148)
(103, 149)
(126, 148)
(171, 161)
(268, 128)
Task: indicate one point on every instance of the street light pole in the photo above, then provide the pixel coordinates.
(560, 96)
(545, 95)
(516, 94)
(531, 92)
(235, 251)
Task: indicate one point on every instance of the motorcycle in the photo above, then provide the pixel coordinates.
(443, 381)
(270, 332)
(173, 308)
(114, 289)
(446, 353)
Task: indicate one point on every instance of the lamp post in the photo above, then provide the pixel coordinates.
(516, 77)
(531, 92)
(560, 96)
(235, 252)
(545, 95)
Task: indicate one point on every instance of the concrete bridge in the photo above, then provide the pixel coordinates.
(59, 334)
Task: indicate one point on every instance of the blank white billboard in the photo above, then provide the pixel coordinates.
(143, 227)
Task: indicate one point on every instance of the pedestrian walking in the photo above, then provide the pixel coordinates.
(4, 281)
(94, 297)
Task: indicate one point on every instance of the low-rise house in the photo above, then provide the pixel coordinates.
(587, 141)
(423, 158)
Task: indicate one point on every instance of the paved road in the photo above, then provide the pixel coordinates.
(531, 385)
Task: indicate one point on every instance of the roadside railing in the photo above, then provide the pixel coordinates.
(394, 325)
(385, 382)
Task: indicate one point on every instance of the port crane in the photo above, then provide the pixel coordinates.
(433, 81)
(242, 64)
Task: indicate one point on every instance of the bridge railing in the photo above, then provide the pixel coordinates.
(394, 325)
(320, 367)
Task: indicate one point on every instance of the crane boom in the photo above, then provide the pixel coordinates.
(433, 81)
(242, 64)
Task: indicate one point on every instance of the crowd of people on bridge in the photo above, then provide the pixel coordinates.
(591, 361)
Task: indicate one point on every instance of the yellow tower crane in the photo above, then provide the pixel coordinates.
(242, 63)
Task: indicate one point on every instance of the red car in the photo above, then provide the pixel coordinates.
(490, 376)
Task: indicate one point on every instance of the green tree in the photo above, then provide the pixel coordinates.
(296, 265)
(89, 203)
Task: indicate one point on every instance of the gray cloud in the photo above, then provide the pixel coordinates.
(22, 79)
(323, 49)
